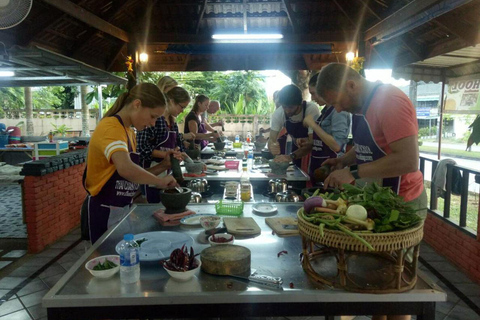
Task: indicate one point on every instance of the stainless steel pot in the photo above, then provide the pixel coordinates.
(196, 197)
(198, 185)
(277, 185)
(287, 196)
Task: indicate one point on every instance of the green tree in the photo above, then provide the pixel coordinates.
(46, 97)
(12, 98)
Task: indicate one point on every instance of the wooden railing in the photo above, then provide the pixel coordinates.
(45, 113)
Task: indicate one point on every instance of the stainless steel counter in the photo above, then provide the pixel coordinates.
(78, 295)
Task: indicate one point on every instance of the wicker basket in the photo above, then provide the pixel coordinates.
(387, 241)
(397, 274)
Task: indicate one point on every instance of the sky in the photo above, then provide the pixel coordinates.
(275, 80)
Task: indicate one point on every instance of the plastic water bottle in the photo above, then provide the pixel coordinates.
(237, 138)
(129, 260)
(250, 161)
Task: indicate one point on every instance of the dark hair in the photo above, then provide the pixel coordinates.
(333, 77)
(313, 80)
(290, 95)
(199, 99)
(148, 93)
(178, 95)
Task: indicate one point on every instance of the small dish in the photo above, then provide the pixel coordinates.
(264, 208)
(210, 222)
(194, 219)
(224, 239)
(107, 273)
(184, 275)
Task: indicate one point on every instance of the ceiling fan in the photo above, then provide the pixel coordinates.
(12, 12)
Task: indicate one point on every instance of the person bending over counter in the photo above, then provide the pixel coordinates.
(194, 124)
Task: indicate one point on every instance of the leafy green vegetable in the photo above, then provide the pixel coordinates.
(107, 264)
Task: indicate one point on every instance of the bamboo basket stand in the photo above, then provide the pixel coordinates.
(390, 249)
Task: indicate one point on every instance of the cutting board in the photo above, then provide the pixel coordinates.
(283, 226)
(242, 226)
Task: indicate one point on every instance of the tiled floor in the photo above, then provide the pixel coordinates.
(25, 278)
(11, 211)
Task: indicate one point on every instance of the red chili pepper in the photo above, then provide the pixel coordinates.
(282, 253)
(291, 285)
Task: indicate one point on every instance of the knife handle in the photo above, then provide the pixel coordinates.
(264, 279)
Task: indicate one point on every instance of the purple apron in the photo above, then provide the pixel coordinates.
(111, 204)
(366, 149)
(297, 130)
(169, 143)
(203, 143)
(320, 151)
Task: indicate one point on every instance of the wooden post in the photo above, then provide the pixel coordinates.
(85, 112)
(440, 125)
(29, 110)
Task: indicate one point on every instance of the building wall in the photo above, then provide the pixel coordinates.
(42, 126)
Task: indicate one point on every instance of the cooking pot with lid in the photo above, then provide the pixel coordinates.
(287, 196)
(277, 185)
(198, 185)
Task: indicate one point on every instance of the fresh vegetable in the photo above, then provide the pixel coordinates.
(181, 260)
(357, 211)
(314, 202)
(368, 224)
(221, 239)
(107, 264)
(140, 241)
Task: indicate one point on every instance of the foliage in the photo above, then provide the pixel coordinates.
(66, 95)
(12, 98)
(427, 132)
(46, 97)
(60, 129)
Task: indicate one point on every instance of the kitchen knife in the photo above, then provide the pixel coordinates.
(261, 279)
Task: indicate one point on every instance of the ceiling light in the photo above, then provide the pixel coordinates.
(350, 56)
(143, 57)
(7, 73)
(247, 36)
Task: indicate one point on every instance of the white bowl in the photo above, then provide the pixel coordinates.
(103, 273)
(184, 275)
(210, 222)
(223, 236)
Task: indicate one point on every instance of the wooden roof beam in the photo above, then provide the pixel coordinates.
(202, 12)
(290, 15)
(460, 29)
(408, 18)
(89, 18)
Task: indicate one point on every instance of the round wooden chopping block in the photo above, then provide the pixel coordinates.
(225, 260)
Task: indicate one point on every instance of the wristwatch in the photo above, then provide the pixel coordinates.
(354, 172)
(293, 156)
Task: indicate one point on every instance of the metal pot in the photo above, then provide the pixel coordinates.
(277, 185)
(198, 185)
(287, 196)
(196, 197)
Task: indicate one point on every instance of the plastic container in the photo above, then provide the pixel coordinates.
(229, 208)
(129, 260)
(245, 186)
(250, 161)
(237, 138)
(231, 164)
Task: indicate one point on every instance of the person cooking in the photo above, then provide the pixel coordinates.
(112, 174)
(290, 116)
(158, 142)
(330, 135)
(385, 132)
(166, 84)
(194, 124)
(213, 107)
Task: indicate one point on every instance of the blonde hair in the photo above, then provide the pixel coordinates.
(199, 99)
(148, 93)
(166, 82)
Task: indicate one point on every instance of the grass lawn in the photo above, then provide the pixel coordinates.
(472, 208)
(451, 152)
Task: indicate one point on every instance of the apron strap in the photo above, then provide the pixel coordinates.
(366, 105)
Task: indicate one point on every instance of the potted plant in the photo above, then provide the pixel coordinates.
(60, 129)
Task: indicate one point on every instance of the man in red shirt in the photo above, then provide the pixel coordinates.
(385, 132)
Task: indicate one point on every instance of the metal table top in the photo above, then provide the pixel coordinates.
(79, 290)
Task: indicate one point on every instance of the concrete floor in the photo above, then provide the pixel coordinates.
(25, 278)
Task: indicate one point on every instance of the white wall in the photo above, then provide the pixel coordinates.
(42, 126)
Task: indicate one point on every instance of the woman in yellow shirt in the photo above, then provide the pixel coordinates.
(112, 175)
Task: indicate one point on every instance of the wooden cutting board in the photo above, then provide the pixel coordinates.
(241, 226)
(283, 226)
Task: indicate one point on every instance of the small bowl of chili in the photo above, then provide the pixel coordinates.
(221, 239)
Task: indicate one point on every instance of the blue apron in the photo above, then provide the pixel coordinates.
(320, 151)
(111, 204)
(366, 149)
(297, 131)
(169, 143)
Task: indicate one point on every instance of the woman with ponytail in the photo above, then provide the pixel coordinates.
(158, 142)
(112, 175)
(195, 125)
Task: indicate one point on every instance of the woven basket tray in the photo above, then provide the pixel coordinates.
(380, 241)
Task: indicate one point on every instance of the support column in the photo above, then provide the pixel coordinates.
(29, 110)
(412, 92)
(85, 112)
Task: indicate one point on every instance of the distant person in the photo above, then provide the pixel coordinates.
(277, 105)
(112, 175)
(166, 83)
(290, 116)
(194, 123)
(213, 107)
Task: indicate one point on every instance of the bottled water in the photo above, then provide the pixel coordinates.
(250, 161)
(129, 260)
(237, 138)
